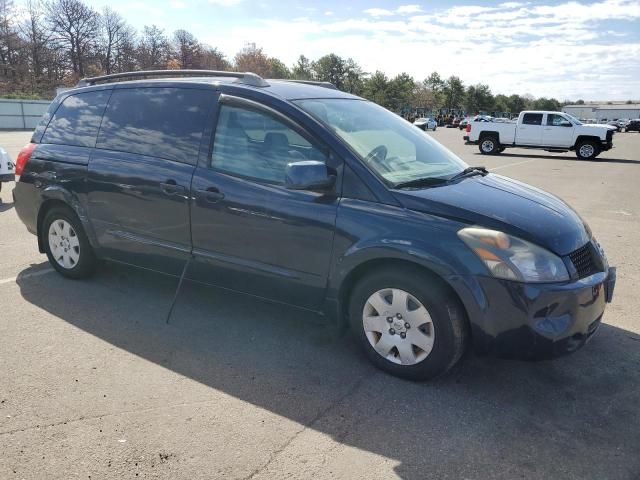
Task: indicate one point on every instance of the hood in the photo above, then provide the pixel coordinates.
(601, 125)
(504, 204)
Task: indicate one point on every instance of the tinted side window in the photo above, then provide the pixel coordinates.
(255, 145)
(159, 122)
(532, 119)
(77, 119)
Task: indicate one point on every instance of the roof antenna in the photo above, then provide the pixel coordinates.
(175, 297)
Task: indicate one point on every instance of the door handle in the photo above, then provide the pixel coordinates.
(170, 187)
(211, 194)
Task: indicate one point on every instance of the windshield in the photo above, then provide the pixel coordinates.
(573, 119)
(393, 148)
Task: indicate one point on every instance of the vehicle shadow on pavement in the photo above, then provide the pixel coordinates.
(5, 206)
(575, 417)
(566, 158)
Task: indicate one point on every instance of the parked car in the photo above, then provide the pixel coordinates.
(6, 168)
(633, 125)
(551, 131)
(615, 124)
(426, 124)
(315, 198)
(463, 123)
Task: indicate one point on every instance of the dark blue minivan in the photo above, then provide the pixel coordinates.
(305, 195)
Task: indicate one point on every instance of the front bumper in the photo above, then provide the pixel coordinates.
(535, 321)
(7, 177)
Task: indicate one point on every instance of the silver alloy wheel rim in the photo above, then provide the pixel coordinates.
(64, 244)
(586, 150)
(487, 146)
(398, 326)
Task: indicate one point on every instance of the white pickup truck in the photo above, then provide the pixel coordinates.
(550, 131)
(6, 168)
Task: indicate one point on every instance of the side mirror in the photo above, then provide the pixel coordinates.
(308, 175)
(566, 123)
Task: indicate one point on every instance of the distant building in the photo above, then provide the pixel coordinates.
(604, 111)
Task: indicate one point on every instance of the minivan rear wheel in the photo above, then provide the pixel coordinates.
(408, 323)
(66, 244)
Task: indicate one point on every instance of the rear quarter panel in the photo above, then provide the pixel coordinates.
(53, 173)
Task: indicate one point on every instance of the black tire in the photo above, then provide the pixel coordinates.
(489, 145)
(448, 317)
(587, 150)
(86, 263)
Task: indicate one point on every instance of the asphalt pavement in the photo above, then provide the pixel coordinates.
(94, 383)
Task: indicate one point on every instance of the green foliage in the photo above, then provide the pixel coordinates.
(453, 93)
(478, 99)
(302, 69)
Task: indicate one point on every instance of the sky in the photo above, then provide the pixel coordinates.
(562, 49)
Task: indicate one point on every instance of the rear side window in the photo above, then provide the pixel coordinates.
(77, 119)
(532, 119)
(159, 122)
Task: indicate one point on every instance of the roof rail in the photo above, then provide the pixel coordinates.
(246, 77)
(317, 84)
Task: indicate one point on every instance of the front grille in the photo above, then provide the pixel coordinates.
(585, 261)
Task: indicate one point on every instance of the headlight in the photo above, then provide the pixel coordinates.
(512, 258)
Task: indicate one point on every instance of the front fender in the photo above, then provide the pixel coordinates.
(371, 234)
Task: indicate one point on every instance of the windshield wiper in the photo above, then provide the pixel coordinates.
(421, 182)
(429, 181)
(467, 172)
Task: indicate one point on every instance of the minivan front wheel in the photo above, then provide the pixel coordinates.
(66, 244)
(408, 324)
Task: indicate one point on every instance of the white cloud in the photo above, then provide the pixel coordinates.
(407, 9)
(378, 12)
(555, 50)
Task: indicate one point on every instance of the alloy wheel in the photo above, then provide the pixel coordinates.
(487, 146)
(586, 150)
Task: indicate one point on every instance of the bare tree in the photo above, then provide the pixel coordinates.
(112, 26)
(125, 53)
(9, 41)
(75, 26)
(188, 49)
(154, 49)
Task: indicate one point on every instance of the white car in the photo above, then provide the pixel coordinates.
(6, 168)
(426, 124)
(550, 131)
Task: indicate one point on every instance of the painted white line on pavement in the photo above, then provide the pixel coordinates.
(26, 275)
(512, 165)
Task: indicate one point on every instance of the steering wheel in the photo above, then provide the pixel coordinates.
(378, 155)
